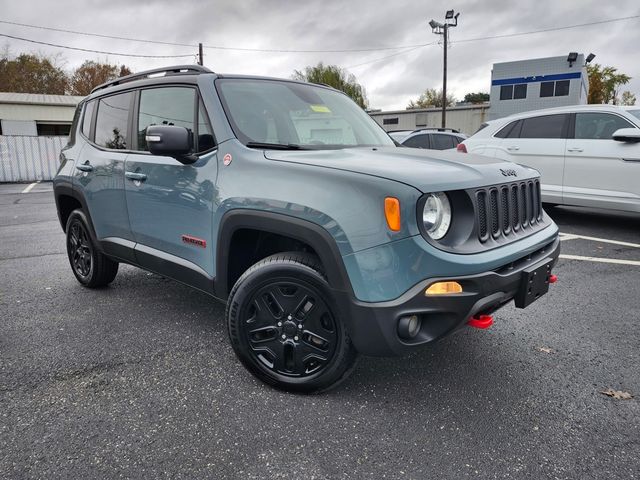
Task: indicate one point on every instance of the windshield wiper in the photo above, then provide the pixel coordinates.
(275, 146)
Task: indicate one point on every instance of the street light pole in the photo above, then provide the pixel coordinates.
(444, 78)
(450, 20)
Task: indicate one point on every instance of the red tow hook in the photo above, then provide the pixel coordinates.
(480, 321)
(553, 278)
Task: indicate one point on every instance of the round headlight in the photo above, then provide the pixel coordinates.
(436, 215)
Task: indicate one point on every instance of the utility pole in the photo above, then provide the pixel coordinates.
(200, 55)
(450, 20)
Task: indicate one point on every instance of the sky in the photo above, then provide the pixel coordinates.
(391, 76)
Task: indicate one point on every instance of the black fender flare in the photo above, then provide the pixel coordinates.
(299, 229)
(64, 189)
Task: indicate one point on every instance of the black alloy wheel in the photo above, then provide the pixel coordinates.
(90, 266)
(290, 329)
(80, 250)
(284, 325)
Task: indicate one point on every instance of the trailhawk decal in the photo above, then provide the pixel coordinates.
(198, 242)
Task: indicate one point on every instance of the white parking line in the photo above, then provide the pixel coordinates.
(29, 187)
(601, 260)
(572, 236)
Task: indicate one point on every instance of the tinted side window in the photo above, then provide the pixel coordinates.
(417, 141)
(546, 126)
(599, 126)
(205, 135)
(112, 123)
(442, 142)
(165, 106)
(86, 120)
(504, 131)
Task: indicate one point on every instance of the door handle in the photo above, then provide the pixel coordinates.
(513, 148)
(140, 177)
(84, 167)
(574, 149)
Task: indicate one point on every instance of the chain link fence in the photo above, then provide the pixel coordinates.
(27, 159)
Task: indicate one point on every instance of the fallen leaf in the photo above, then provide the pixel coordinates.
(617, 394)
(546, 349)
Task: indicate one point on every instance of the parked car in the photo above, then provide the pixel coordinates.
(289, 203)
(431, 138)
(588, 155)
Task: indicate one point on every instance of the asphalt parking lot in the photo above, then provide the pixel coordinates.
(138, 380)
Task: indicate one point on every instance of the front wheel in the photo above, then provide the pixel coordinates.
(284, 325)
(90, 266)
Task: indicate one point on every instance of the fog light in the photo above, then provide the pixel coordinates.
(409, 326)
(443, 288)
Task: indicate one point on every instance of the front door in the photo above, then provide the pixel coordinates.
(171, 205)
(600, 171)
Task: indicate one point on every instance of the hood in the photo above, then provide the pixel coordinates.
(426, 170)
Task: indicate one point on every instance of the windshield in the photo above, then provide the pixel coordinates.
(635, 113)
(266, 113)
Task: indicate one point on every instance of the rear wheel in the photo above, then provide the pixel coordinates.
(91, 267)
(284, 325)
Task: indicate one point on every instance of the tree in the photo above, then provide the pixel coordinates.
(628, 99)
(335, 77)
(431, 98)
(604, 83)
(30, 73)
(91, 74)
(479, 97)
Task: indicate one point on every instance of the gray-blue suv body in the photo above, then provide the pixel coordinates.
(288, 202)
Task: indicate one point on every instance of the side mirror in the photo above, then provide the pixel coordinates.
(631, 135)
(171, 141)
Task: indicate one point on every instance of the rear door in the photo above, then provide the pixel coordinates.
(539, 142)
(99, 167)
(443, 141)
(600, 171)
(170, 204)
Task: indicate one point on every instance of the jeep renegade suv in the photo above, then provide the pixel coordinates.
(289, 203)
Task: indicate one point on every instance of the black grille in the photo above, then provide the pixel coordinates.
(482, 215)
(508, 208)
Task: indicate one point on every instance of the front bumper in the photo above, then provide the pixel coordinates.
(374, 326)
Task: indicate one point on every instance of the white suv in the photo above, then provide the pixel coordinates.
(588, 155)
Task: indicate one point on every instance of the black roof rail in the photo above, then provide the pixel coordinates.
(176, 70)
(438, 129)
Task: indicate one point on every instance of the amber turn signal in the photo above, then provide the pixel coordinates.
(443, 288)
(392, 213)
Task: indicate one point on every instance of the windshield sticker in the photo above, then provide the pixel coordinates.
(320, 108)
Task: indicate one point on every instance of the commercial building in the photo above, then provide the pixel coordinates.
(33, 130)
(539, 83)
(464, 118)
(34, 115)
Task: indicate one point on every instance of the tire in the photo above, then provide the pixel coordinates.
(285, 327)
(90, 266)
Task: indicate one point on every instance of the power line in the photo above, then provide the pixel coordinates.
(408, 50)
(279, 50)
(216, 47)
(93, 51)
(491, 37)
(552, 29)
